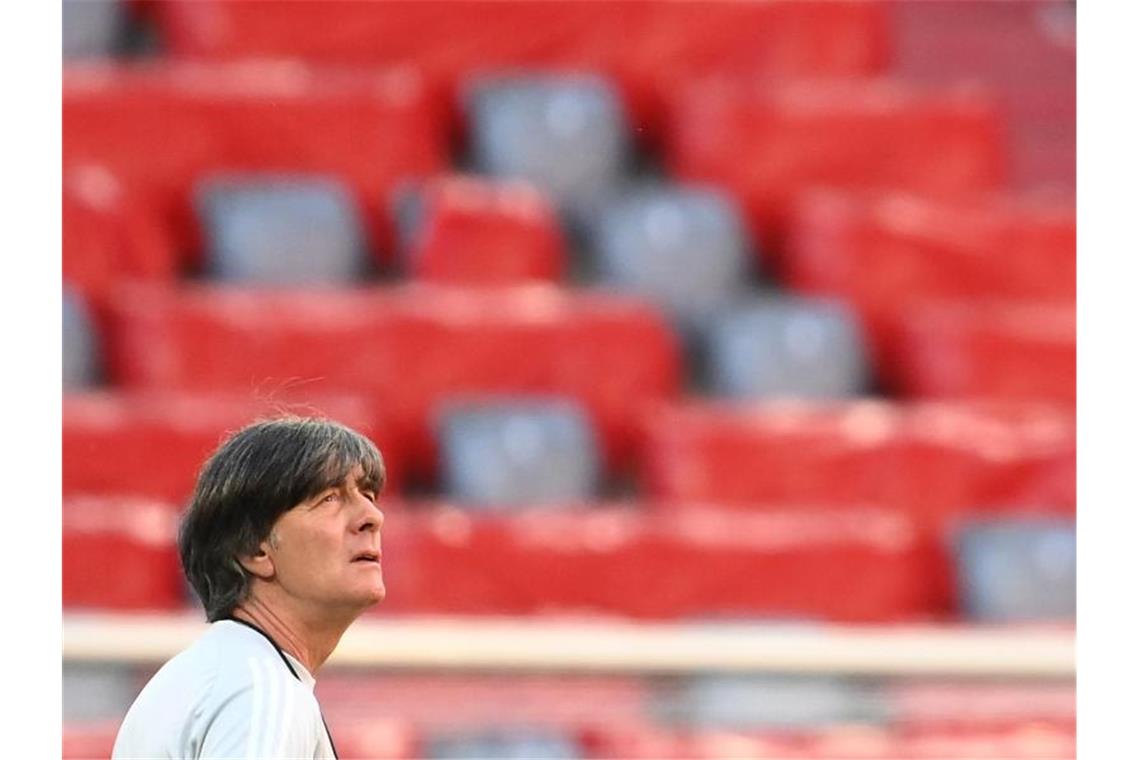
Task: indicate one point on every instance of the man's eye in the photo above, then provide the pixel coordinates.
(330, 497)
(370, 496)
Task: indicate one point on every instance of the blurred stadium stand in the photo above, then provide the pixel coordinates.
(722, 355)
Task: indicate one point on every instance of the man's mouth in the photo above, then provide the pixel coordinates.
(368, 556)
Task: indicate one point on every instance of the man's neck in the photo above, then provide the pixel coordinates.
(308, 641)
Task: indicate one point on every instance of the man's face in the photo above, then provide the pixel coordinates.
(326, 550)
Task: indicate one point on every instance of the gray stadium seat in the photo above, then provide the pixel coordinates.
(1018, 570)
(783, 346)
(92, 28)
(770, 702)
(518, 453)
(685, 248)
(98, 691)
(279, 230)
(507, 744)
(566, 134)
(407, 210)
(80, 343)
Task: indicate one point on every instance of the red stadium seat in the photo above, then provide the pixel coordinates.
(644, 44)
(883, 251)
(84, 740)
(109, 235)
(997, 350)
(680, 562)
(477, 232)
(151, 444)
(162, 126)
(935, 460)
(408, 348)
(766, 143)
(120, 554)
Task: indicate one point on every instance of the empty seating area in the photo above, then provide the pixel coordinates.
(610, 717)
(689, 312)
(851, 135)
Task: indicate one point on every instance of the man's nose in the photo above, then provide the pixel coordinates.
(372, 517)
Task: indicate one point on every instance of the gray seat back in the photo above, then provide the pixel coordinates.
(92, 28)
(518, 453)
(782, 346)
(80, 344)
(566, 134)
(281, 230)
(1017, 570)
(684, 248)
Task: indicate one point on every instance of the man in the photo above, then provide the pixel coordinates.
(281, 542)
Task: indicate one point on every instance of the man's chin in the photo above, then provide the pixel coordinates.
(376, 595)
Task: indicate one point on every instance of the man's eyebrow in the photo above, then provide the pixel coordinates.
(373, 482)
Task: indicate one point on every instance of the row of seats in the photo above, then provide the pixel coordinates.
(781, 562)
(1026, 741)
(568, 134)
(934, 459)
(1025, 50)
(407, 347)
(428, 345)
(766, 345)
(395, 740)
(454, 703)
(697, 702)
(877, 250)
(645, 46)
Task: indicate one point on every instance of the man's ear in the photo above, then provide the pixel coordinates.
(259, 564)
